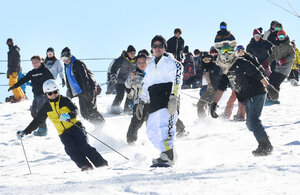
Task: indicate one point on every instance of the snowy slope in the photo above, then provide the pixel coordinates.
(214, 159)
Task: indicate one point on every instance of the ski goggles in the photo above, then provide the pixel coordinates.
(222, 27)
(52, 92)
(281, 36)
(227, 49)
(206, 59)
(64, 58)
(277, 28)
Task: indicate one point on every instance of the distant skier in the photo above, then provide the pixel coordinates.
(54, 65)
(176, 45)
(223, 34)
(38, 75)
(162, 84)
(249, 85)
(62, 112)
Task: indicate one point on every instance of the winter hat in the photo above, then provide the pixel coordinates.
(273, 22)
(9, 40)
(293, 43)
(66, 52)
(186, 49)
(222, 25)
(141, 55)
(130, 48)
(256, 32)
(144, 51)
(50, 49)
(260, 29)
(161, 39)
(178, 30)
(240, 47)
(197, 51)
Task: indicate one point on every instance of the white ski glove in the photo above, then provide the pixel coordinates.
(172, 104)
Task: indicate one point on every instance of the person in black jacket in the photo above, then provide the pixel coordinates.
(82, 84)
(120, 70)
(249, 85)
(176, 45)
(259, 48)
(62, 112)
(223, 34)
(14, 69)
(37, 76)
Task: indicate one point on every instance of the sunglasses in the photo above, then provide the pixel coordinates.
(277, 28)
(154, 46)
(53, 92)
(64, 58)
(227, 49)
(281, 36)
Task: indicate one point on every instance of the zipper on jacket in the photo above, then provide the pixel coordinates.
(59, 115)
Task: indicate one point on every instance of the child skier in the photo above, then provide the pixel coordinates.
(62, 112)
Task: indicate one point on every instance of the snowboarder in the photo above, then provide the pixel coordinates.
(63, 114)
(162, 84)
(13, 70)
(81, 83)
(54, 65)
(249, 85)
(120, 70)
(176, 45)
(294, 75)
(38, 75)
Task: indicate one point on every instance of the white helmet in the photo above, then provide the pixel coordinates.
(50, 85)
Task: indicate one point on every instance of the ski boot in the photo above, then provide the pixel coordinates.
(40, 132)
(166, 159)
(86, 168)
(264, 148)
(238, 118)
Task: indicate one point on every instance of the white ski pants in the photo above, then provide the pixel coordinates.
(161, 129)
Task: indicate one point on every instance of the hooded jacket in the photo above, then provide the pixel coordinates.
(261, 49)
(13, 60)
(283, 50)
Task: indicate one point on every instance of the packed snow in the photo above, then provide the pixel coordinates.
(215, 158)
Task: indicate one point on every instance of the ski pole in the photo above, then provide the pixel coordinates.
(25, 156)
(104, 84)
(195, 98)
(99, 140)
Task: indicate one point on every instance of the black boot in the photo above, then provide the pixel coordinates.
(166, 157)
(264, 148)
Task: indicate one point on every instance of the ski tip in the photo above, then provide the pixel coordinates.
(159, 165)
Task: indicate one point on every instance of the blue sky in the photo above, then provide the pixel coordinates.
(95, 28)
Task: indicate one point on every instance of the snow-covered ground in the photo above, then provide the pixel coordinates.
(215, 158)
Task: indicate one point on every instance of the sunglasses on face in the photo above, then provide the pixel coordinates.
(281, 36)
(53, 92)
(64, 58)
(277, 28)
(228, 49)
(154, 46)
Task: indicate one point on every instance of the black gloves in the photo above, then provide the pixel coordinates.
(20, 134)
(213, 108)
(273, 93)
(11, 88)
(63, 82)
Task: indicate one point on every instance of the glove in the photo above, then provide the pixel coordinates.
(7, 75)
(11, 88)
(172, 104)
(139, 110)
(20, 134)
(130, 94)
(265, 64)
(64, 117)
(63, 82)
(213, 108)
(281, 61)
(273, 93)
(113, 78)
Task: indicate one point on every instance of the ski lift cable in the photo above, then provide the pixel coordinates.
(284, 8)
(292, 8)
